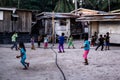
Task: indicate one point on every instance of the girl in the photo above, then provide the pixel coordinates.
(39, 40)
(86, 50)
(23, 56)
(32, 43)
(70, 42)
(45, 42)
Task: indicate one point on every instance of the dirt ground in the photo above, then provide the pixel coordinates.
(103, 65)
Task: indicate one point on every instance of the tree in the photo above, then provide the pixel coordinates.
(63, 6)
(103, 5)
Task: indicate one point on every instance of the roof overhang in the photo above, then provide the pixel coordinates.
(100, 17)
(15, 15)
(49, 15)
(13, 9)
(8, 9)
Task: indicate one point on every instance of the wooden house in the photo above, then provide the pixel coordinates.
(85, 24)
(84, 11)
(13, 19)
(56, 22)
(102, 23)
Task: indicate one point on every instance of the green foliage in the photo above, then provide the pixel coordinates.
(60, 5)
(102, 4)
(63, 6)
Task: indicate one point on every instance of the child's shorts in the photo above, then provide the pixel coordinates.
(85, 54)
(107, 44)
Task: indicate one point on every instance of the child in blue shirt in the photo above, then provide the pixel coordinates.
(61, 43)
(86, 50)
(23, 56)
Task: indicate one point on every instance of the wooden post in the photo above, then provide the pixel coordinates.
(75, 6)
(53, 29)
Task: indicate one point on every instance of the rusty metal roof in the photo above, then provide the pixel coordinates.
(46, 15)
(100, 17)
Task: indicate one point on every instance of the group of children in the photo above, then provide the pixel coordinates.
(39, 42)
(22, 50)
(46, 39)
(102, 41)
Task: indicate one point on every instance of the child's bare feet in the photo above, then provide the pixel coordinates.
(25, 68)
(59, 51)
(28, 64)
(63, 51)
(85, 63)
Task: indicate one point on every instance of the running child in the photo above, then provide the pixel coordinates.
(23, 56)
(61, 43)
(101, 43)
(14, 41)
(70, 42)
(86, 50)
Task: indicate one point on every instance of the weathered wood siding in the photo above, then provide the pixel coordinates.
(23, 23)
(5, 24)
(25, 20)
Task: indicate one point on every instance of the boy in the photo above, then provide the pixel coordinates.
(61, 43)
(101, 43)
(14, 40)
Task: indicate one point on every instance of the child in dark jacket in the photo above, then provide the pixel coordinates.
(101, 43)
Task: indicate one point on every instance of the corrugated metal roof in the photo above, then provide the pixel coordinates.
(8, 9)
(13, 9)
(56, 15)
(105, 17)
(116, 11)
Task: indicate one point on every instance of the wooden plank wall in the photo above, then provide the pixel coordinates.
(5, 24)
(23, 23)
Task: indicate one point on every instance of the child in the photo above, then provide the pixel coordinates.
(61, 43)
(23, 56)
(32, 43)
(86, 50)
(101, 43)
(107, 41)
(70, 42)
(14, 40)
(93, 41)
(39, 40)
(45, 42)
(104, 40)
